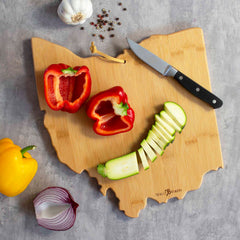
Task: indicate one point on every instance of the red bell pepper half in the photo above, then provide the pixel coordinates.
(66, 88)
(111, 111)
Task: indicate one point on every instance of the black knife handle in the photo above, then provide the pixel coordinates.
(198, 90)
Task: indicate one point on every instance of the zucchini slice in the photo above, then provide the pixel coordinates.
(161, 144)
(161, 129)
(166, 126)
(150, 153)
(154, 146)
(169, 120)
(143, 158)
(160, 135)
(119, 168)
(176, 112)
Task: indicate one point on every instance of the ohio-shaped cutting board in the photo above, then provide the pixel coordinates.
(194, 152)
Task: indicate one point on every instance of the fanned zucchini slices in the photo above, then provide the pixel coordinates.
(173, 118)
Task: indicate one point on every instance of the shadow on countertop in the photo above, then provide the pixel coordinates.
(47, 16)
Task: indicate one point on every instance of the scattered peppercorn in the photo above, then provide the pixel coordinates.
(82, 28)
(101, 36)
(104, 22)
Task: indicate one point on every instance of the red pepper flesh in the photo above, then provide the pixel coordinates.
(111, 111)
(66, 88)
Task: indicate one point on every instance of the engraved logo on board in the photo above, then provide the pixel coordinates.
(168, 192)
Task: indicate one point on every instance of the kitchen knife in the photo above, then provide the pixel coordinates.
(167, 70)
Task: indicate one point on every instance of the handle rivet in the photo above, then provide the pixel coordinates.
(197, 89)
(214, 101)
(181, 78)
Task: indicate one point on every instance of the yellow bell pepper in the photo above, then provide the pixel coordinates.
(17, 168)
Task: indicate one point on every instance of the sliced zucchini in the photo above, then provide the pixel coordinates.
(161, 144)
(168, 136)
(119, 168)
(176, 112)
(160, 135)
(166, 126)
(150, 153)
(143, 158)
(154, 146)
(169, 120)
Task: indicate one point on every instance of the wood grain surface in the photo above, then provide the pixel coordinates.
(194, 152)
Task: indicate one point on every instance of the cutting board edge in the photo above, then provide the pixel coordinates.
(165, 35)
(136, 214)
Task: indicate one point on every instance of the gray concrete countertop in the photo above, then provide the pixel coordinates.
(212, 212)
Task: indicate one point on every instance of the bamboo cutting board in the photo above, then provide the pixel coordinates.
(194, 152)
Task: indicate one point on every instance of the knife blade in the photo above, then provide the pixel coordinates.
(167, 70)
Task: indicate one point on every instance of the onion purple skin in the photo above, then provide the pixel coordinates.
(69, 200)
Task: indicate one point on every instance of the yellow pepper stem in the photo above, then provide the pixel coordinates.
(94, 50)
(26, 149)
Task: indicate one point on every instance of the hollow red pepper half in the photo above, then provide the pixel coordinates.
(66, 88)
(111, 111)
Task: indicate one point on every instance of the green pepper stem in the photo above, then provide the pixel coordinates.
(120, 109)
(26, 149)
(69, 70)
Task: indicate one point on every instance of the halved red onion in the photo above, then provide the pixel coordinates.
(55, 209)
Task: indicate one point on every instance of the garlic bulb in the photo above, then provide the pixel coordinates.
(75, 12)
